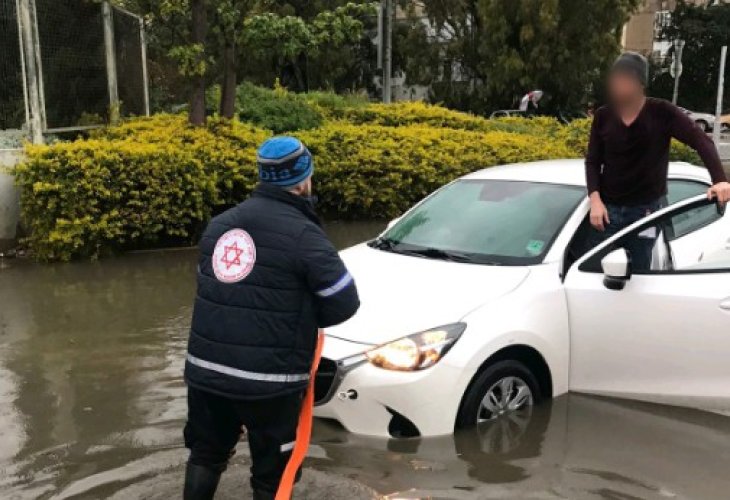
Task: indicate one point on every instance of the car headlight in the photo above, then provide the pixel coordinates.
(418, 351)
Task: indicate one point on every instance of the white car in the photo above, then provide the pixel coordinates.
(705, 121)
(486, 298)
(506, 113)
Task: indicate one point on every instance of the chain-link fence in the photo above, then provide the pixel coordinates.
(129, 45)
(12, 103)
(69, 64)
(73, 63)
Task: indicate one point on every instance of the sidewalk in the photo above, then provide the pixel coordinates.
(234, 486)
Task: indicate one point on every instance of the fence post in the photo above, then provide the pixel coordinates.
(720, 88)
(34, 99)
(388, 51)
(23, 73)
(111, 62)
(145, 76)
(38, 64)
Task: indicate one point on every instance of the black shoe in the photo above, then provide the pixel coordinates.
(263, 495)
(200, 482)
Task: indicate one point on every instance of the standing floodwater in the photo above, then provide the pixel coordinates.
(92, 405)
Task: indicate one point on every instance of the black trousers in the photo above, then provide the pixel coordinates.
(214, 428)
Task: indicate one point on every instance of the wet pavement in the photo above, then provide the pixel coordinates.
(92, 405)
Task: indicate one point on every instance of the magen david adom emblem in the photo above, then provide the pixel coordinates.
(234, 256)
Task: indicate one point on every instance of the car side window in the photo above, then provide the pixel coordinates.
(653, 240)
(692, 220)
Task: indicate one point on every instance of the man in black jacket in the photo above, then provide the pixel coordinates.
(268, 279)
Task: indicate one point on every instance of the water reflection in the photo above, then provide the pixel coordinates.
(91, 357)
(95, 349)
(575, 447)
(92, 402)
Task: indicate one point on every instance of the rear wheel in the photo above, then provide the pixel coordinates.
(504, 389)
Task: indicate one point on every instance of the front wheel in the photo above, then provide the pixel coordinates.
(503, 388)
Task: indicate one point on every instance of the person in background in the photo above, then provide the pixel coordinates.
(628, 155)
(268, 279)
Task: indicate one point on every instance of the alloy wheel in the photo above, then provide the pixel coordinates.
(507, 395)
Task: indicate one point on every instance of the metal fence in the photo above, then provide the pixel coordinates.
(69, 65)
(12, 102)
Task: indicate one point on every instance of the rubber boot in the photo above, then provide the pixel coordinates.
(263, 495)
(200, 482)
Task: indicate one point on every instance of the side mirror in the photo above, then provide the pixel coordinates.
(393, 222)
(616, 269)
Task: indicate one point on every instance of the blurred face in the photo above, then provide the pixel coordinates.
(624, 89)
(304, 188)
(307, 187)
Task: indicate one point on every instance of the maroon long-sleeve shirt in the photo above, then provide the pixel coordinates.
(628, 165)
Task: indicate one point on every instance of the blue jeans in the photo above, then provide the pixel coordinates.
(640, 247)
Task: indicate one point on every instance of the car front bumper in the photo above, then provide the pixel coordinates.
(377, 402)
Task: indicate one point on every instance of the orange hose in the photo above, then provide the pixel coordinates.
(304, 430)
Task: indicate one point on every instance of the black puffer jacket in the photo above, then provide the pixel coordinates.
(268, 278)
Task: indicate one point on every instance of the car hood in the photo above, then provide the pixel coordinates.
(401, 295)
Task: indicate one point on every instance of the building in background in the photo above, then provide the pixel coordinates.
(642, 32)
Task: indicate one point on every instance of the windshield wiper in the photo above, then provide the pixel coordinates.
(436, 253)
(389, 245)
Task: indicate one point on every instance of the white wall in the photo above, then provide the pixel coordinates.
(9, 198)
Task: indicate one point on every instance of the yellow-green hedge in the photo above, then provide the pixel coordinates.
(367, 171)
(156, 181)
(419, 113)
(151, 181)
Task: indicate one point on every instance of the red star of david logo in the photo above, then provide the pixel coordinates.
(232, 256)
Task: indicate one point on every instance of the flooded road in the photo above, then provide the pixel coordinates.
(92, 405)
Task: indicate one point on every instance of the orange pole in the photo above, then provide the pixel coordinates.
(304, 430)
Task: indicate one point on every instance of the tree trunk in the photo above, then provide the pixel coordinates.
(198, 35)
(228, 86)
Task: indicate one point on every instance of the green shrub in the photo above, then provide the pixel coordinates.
(419, 113)
(80, 199)
(148, 182)
(680, 152)
(575, 137)
(336, 106)
(154, 181)
(277, 110)
(371, 171)
(226, 149)
(414, 113)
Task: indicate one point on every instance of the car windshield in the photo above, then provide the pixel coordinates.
(485, 222)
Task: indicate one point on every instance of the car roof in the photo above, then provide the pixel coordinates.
(570, 172)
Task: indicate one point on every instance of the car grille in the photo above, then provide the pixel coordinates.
(325, 381)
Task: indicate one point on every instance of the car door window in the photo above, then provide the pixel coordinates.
(712, 254)
(678, 227)
(692, 220)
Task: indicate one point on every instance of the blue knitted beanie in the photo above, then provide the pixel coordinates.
(284, 161)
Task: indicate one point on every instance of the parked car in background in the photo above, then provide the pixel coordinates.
(567, 116)
(705, 121)
(564, 116)
(503, 113)
(486, 298)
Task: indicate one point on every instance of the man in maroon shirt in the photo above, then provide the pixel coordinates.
(628, 155)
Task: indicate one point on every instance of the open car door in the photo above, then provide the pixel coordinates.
(662, 334)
